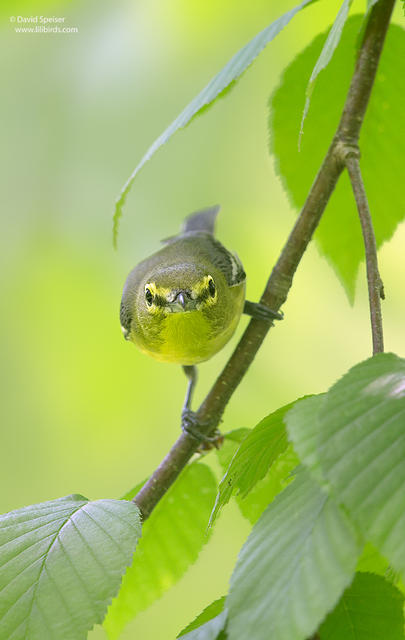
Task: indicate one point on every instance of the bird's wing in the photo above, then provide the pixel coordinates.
(229, 263)
(125, 318)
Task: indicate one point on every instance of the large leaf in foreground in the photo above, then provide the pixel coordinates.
(370, 609)
(381, 134)
(172, 538)
(303, 429)
(209, 625)
(61, 562)
(361, 447)
(297, 561)
(252, 460)
(232, 70)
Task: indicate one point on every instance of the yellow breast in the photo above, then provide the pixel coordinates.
(187, 338)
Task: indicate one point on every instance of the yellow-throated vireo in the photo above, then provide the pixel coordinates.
(184, 302)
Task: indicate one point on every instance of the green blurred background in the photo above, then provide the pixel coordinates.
(82, 410)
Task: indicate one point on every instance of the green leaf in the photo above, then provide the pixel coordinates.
(339, 234)
(216, 87)
(297, 561)
(361, 446)
(303, 430)
(252, 460)
(61, 563)
(326, 54)
(265, 490)
(277, 478)
(172, 538)
(370, 609)
(209, 625)
(372, 561)
(230, 445)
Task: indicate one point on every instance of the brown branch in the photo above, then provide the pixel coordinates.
(375, 285)
(210, 412)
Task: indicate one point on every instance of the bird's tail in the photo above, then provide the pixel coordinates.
(203, 220)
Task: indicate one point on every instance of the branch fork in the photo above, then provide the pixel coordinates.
(345, 149)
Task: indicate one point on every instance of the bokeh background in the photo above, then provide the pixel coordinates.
(82, 410)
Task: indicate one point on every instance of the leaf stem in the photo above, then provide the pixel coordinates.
(279, 283)
(375, 285)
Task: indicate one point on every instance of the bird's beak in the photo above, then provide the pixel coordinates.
(181, 299)
(182, 302)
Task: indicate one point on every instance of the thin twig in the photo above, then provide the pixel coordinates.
(210, 412)
(375, 285)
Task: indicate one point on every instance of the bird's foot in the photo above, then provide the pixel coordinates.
(214, 442)
(261, 312)
(190, 424)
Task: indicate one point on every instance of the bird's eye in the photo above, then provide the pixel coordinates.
(211, 287)
(148, 297)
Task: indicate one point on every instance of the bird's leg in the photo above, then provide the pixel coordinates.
(191, 373)
(189, 420)
(261, 312)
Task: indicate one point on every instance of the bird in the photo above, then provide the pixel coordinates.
(183, 303)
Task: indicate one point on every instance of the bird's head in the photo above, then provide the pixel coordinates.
(172, 289)
(179, 289)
